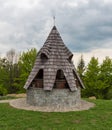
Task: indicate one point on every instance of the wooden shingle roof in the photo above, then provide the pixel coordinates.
(58, 57)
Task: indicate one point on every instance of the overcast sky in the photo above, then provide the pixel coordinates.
(85, 25)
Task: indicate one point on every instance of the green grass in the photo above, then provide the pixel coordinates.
(97, 118)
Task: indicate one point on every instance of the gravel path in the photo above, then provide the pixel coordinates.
(5, 101)
(21, 104)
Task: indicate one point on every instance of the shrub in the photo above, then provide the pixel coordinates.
(109, 94)
(3, 91)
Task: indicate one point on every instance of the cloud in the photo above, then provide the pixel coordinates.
(89, 26)
(85, 25)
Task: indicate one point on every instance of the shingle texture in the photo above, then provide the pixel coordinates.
(58, 57)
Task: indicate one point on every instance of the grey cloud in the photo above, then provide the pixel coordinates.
(83, 27)
(90, 28)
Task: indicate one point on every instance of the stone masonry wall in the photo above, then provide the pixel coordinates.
(54, 98)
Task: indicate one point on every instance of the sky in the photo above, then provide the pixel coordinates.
(84, 25)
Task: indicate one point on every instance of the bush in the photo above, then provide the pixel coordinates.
(109, 94)
(3, 91)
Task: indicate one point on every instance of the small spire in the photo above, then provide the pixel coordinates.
(54, 20)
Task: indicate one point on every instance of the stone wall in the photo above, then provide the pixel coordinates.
(54, 98)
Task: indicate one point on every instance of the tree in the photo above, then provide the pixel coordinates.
(11, 56)
(26, 63)
(81, 67)
(13, 70)
(106, 77)
(91, 79)
(4, 76)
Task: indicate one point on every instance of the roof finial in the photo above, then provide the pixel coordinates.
(54, 19)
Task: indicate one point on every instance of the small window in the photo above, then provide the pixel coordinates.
(40, 74)
(43, 56)
(60, 75)
(70, 57)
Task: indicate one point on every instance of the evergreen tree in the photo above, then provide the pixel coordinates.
(106, 77)
(81, 67)
(91, 79)
(4, 76)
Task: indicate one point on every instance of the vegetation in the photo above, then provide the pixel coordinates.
(97, 78)
(14, 71)
(97, 118)
(26, 63)
(91, 79)
(81, 67)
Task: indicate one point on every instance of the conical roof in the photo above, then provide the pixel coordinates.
(54, 56)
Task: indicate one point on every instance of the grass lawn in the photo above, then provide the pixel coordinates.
(97, 118)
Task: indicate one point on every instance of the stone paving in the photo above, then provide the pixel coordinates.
(21, 104)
